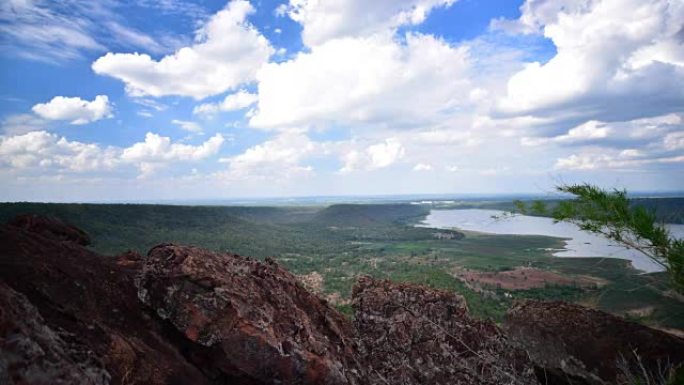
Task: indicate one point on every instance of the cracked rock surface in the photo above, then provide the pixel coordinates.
(410, 334)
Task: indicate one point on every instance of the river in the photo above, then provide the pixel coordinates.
(577, 243)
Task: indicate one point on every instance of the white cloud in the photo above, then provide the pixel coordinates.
(75, 110)
(674, 141)
(150, 103)
(591, 130)
(609, 100)
(158, 148)
(22, 123)
(158, 151)
(446, 137)
(616, 60)
(237, 101)
(278, 158)
(535, 14)
(374, 157)
(228, 53)
(188, 126)
(135, 37)
(627, 159)
(177, 7)
(36, 31)
(323, 20)
(422, 167)
(652, 131)
(60, 31)
(45, 150)
(364, 80)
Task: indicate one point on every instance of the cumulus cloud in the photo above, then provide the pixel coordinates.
(75, 110)
(158, 151)
(375, 79)
(608, 99)
(631, 145)
(158, 148)
(233, 102)
(589, 131)
(616, 60)
(535, 14)
(280, 157)
(643, 132)
(374, 157)
(48, 151)
(324, 20)
(228, 52)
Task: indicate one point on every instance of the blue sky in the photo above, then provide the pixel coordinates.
(169, 99)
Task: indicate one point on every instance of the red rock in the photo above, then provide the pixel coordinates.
(255, 317)
(93, 303)
(129, 259)
(51, 227)
(33, 353)
(571, 344)
(410, 334)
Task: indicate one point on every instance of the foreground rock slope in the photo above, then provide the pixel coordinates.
(36, 354)
(410, 334)
(570, 343)
(256, 318)
(91, 302)
(184, 315)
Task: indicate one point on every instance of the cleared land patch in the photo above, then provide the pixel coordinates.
(524, 278)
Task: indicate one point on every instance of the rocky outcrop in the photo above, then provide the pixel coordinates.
(184, 315)
(51, 227)
(258, 320)
(91, 302)
(409, 334)
(571, 344)
(32, 353)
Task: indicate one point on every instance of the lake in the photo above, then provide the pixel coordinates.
(577, 243)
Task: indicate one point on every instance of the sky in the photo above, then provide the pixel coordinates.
(121, 100)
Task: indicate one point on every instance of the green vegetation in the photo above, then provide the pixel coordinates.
(341, 242)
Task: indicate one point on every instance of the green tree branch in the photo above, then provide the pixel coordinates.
(609, 213)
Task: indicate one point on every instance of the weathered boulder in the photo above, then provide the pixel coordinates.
(257, 320)
(410, 334)
(91, 302)
(51, 227)
(571, 344)
(32, 353)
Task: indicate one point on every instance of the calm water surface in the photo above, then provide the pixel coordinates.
(577, 244)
